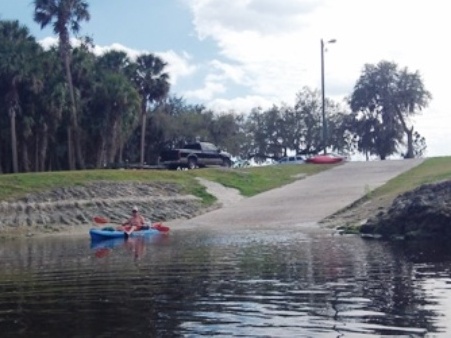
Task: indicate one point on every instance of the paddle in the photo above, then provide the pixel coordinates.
(103, 220)
(160, 227)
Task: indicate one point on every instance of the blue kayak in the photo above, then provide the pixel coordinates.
(102, 234)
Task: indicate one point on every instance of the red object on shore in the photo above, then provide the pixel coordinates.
(160, 227)
(325, 159)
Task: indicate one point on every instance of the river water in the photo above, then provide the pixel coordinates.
(244, 283)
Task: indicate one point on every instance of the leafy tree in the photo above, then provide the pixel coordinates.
(255, 127)
(383, 100)
(275, 131)
(152, 84)
(108, 103)
(226, 131)
(50, 105)
(308, 114)
(18, 51)
(120, 99)
(175, 123)
(340, 138)
(66, 16)
(419, 144)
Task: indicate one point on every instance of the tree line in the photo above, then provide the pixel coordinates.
(67, 108)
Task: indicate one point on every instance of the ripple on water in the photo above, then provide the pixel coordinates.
(193, 283)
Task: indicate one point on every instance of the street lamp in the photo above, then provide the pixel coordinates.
(323, 103)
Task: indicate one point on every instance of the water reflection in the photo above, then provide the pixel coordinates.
(135, 246)
(253, 284)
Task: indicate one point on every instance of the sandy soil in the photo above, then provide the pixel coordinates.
(357, 213)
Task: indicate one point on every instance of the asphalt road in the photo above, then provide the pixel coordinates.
(306, 201)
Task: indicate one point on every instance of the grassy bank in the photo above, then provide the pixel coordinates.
(249, 181)
(431, 170)
(350, 218)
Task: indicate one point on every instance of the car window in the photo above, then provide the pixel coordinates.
(194, 146)
(291, 159)
(209, 147)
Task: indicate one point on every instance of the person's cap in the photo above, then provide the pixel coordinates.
(135, 208)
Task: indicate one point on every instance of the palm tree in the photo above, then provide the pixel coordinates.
(50, 105)
(121, 101)
(18, 50)
(152, 85)
(66, 15)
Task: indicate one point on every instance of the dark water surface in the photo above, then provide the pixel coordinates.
(211, 283)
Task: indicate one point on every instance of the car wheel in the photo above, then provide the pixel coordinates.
(226, 163)
(192, 163)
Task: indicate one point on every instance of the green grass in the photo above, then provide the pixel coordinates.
(249, 181)
(431, 170)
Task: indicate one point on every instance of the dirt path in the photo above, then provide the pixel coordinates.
(226, 196)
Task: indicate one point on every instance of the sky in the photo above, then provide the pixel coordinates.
(235, 55)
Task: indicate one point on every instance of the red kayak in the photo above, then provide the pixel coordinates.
(325, 159)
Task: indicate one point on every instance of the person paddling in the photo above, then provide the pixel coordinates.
(134, 223)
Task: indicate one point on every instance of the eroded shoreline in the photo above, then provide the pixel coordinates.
(69, 210)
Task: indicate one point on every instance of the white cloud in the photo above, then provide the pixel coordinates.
(215, 17)
(275, 46)
(240, 104)
(48, 42)
(228, 71)
(178, 65)
(132, 53)
(210, 89)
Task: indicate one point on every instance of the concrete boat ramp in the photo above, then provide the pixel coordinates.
(305, 202)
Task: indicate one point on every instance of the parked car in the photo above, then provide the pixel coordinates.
(239, 163)
(326, 158)
(292, 160)
(195, 155)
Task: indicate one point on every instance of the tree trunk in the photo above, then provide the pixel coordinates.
(410, 152)
(121, 147)
(70, 149)
(409, 133)
(113, 143)
(25, 157)
(121, 153)
(74, 133)
(143, 131)
(42, 153)
(12, 120)
(74, 118)
(101, 153)
(37, 145)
